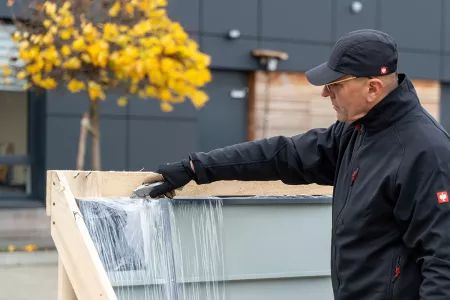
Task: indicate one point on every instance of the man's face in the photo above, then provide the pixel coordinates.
(349, 97)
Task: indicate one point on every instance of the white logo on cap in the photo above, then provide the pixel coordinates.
(383, 70)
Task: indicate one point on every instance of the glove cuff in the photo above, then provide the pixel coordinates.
(187, 166)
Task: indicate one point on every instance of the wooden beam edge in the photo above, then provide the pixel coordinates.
(75, 246)
(122, 184)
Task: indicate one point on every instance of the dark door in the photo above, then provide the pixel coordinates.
(223, 120)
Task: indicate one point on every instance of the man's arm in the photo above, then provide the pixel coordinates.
(302, 159)
(306, 158)
(423, 212)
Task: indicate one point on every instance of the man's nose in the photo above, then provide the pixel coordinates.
(326, 92)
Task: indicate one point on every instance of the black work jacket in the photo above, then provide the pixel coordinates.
(391, 177)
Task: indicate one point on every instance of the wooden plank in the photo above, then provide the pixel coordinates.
(280, 131)
(65, 289)
(429, 93)
(304, 93)
(266, 188)
(103, 183)
(423, 83)
(73, 242)
(86, 184)
(433, 109)
(286, 83)
(48, 193)
(293, 106)
(122, 184)
(284, 104)
(251, 107)
(265, 53)
(282, 119)
(322, 121)
(291, 92)
(110, 184)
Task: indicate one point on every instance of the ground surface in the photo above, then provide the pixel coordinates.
(28, 276)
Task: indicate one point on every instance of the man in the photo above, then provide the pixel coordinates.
(389, 163)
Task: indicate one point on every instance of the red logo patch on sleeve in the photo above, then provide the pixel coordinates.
(442, 197)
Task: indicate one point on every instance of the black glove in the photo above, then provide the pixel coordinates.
(176, 175)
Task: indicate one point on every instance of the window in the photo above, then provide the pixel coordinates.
(15, 169)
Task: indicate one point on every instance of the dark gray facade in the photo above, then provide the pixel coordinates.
(140, 136)
(307, 30)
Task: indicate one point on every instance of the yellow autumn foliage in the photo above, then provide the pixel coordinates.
(137, 47)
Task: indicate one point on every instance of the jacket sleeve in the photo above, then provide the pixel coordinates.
(302, 159)
(423, 212)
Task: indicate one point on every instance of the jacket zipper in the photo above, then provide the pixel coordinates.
(395, 276)
(354, 174)
(397, 269)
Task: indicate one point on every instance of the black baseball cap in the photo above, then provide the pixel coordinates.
(360, 53)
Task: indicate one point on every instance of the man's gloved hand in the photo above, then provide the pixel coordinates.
(175, 175)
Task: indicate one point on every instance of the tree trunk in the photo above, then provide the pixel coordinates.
(84, 125)
(94, 116)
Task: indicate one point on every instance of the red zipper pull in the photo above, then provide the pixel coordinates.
(355, 173)
(397, 270)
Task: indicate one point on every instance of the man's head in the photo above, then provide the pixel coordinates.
(361, 71)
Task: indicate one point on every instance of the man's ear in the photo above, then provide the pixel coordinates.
(375, 88)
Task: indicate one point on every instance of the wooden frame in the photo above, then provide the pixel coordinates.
(80, 272)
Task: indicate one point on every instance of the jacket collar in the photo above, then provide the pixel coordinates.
(394, 106)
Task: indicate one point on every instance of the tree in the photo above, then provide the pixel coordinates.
(94, 46)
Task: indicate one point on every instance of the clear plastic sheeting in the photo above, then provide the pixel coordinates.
(159, 248)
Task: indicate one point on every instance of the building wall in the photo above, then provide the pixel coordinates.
(306, 30)
(135, 137)
(140, 136)
(144, 137)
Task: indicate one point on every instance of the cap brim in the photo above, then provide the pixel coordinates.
(322, 75)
